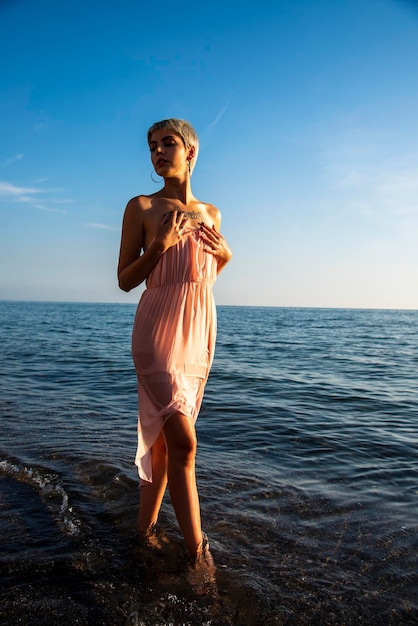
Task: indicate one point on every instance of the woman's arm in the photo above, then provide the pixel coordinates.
(133, 267)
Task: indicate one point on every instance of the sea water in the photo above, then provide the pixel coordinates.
(307, 470)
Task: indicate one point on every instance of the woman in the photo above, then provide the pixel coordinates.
(172, 241)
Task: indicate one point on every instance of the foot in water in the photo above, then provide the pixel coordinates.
(153, 537)
(201, 575)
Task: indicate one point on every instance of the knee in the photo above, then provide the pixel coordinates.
(183, 451)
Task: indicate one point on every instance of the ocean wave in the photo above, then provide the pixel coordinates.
(51, 491)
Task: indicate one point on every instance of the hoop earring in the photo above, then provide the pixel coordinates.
(153, 179)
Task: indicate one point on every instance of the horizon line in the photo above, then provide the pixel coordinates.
(248, 306)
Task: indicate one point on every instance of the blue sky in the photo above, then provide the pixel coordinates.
(307, 118)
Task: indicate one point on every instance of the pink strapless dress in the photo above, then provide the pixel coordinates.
(173, 340)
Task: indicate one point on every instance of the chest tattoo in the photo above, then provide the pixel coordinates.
(193, 215)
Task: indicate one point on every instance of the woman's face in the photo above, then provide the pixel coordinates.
(168, 153)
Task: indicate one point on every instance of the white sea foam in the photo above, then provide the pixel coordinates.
(51, 491)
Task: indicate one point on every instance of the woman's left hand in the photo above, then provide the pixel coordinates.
(215, 244)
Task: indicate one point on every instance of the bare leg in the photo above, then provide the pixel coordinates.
(180, 439)
(152, 494)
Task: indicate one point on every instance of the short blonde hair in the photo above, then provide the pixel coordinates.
(184, 130)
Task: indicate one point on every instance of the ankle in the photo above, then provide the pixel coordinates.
(146, 531)
(202, 552)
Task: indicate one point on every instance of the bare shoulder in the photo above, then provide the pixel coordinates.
(136, 211)
(139, 203)
(214, 214)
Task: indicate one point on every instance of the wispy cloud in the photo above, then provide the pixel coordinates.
(12, 159)
(218, 116)
(387, 187)
(373, 172)
(34, 196)
(100, 226)
(212, 125)
(8, 190)
(49, 209)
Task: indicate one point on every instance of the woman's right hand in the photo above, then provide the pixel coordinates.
(171, 228)
(134, 269)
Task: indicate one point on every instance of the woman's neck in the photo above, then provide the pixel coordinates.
(178, 189)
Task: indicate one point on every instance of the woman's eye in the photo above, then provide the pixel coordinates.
(167, 144)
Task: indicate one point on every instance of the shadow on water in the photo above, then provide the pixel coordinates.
(92, 570)
(70, 557)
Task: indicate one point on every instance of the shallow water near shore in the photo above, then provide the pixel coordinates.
(307, 470)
